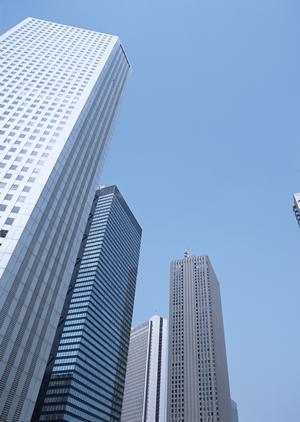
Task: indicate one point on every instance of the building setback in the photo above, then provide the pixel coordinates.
(60, 88)
(145, 386)
(198, 386)
(85, 375)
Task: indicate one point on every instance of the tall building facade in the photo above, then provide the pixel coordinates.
(85, 376)
(59, 92)
(146, 376)
(198, 385)
(296, 206)
(235, 415)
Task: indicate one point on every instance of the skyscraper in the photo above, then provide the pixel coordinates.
(85, 375)
(145, 386)
(296, 206)
(198, 386)
(59, 91)
(234, 408)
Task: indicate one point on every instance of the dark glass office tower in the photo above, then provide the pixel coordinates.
(85, 375)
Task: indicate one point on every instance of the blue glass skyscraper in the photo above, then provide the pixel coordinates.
(85, 375)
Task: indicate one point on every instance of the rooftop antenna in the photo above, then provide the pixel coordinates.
(186, 253)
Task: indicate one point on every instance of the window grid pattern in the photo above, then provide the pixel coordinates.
(41, 85)
(135, 385)
(90, 362)
(47, 212)
(197, 389)
(144, 393)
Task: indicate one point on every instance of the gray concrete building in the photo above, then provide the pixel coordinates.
(60, 88)
(198, 385)
(146, 375)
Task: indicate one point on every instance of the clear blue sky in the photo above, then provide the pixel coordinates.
(206, 153)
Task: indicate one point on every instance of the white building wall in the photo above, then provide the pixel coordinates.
(157, 369)
(149, 383)
(135, 381)
(59, 92)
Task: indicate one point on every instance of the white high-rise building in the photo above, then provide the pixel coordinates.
(296, 206)
(60, 88)
(198, 385)
(145, 385)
